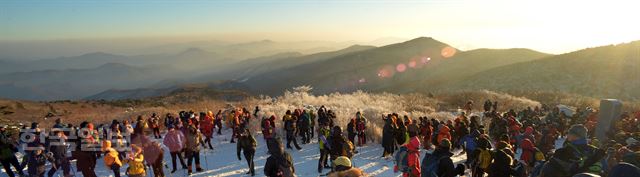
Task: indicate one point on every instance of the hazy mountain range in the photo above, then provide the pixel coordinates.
(418, 65)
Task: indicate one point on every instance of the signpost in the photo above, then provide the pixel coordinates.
(610, 110)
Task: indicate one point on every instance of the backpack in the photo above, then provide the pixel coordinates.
(429, 165)
(402, 159)
(284, 169)
(484, 159)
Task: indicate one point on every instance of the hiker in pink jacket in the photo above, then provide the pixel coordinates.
(175, 141)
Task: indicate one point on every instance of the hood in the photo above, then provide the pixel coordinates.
(414, 144)
(106, 145)
(210, 114)
(625, 170)
(445, 129)
(528, 130)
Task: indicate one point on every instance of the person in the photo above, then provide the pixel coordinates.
(154, 125)
(59, 124)
(169, 120)
(111, 158)
(480, 158)
(426, 131)
(401, 132)
(560, 164)
(413, 158)
(343, 168)
(444, 133)
(279, 163)
(218, 121)
(290, 128)
(235, 124)
(388, 138)
(361, 126)
(439, 163)
(37, 161)
(312, 123)
(469, 106)
(128, 128)
(323, 136)
(58, 147)
(528, 152)
(84, 153)
(175, 142)
(206, 127)
(268, 127)
(591, 156)
(351, 131)
(340, 146)
(247, 144)
(136, 162)
(487, 105)
(468, 143)
(151, 150)
(625, 170)
(194, 139)
(8, 149)
(323, 116)
(304, 124)
(501, 165)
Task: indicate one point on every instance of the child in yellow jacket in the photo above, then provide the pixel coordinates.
(136, 163)
(111, 158)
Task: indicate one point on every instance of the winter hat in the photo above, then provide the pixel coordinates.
(625, 170)
(106, 144)
(586, 175)
(503, 145)
(445, 144)
(170, 126)
(342, 161)
(631, 141)
(578, 130)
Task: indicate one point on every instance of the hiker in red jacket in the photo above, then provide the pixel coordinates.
(206, 127)
(528, 151)
(413, 158)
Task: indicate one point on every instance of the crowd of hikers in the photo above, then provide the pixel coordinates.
(514, 143)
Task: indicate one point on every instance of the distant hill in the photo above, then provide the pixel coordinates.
(465, 64)
(419, 65)
(253, 67)
(611, 71)
(77, 83)
(225, 90)
(425, 61)
(403, 67)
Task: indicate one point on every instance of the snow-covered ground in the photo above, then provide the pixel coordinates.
(222, 161)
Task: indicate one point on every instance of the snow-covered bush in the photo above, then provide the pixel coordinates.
(345, 105)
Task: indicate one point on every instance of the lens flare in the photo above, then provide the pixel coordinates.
(362, 80)
(448, 52)
(401, 67)
(425, 60)
(413, 64)
(386, 72)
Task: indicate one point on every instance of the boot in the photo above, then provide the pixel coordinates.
(189, 170)
(198, 168)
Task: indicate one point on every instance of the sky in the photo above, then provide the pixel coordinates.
(545, 25)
